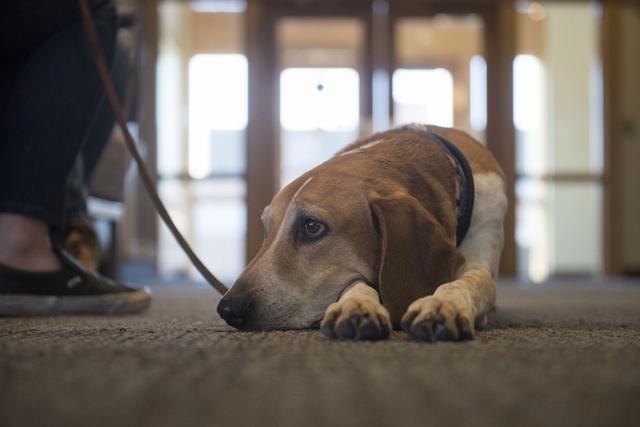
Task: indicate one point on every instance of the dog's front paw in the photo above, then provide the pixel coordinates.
(353, 319)
(439, 318)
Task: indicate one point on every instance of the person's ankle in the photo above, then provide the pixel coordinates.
(25, 244)
(28, 258)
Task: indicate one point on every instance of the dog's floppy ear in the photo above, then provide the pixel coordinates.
(417, 256)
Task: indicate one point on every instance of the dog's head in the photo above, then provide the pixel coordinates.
(322, 233)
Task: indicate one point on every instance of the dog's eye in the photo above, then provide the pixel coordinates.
(313, 229)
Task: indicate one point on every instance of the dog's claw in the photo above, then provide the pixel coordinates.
(367, 329)
(329, 331)
(352, 320)
(346, 329)
(327, 326)
(435, 319)
(424, 331)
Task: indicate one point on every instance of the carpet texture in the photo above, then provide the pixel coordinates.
(564, 355)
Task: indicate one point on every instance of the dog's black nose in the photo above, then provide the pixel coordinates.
(235, 311)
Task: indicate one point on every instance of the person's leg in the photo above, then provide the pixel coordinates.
(78, 236)
(51, 98)
(94, 142)
(51, 93)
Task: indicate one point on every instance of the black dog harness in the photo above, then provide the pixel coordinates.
(465, 186)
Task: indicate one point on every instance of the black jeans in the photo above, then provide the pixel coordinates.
(78, 183)
(49, 96)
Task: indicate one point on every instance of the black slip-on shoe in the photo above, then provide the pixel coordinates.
(70, 290)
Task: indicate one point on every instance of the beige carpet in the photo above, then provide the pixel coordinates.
(558, 356)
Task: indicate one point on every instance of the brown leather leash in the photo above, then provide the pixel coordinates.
(145, 176)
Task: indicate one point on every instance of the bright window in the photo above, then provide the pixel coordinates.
(478, 93)
(528, 92)
(319, 99)
(423, 96)
(218, 102)
(319, 114)
(170, 159)
(529, 114)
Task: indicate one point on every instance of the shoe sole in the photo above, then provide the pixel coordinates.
(43, 305)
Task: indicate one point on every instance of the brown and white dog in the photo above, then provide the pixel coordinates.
(366, 242)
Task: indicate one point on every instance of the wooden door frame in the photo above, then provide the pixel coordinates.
(611, 220)
(262, 140)
(500, 45)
